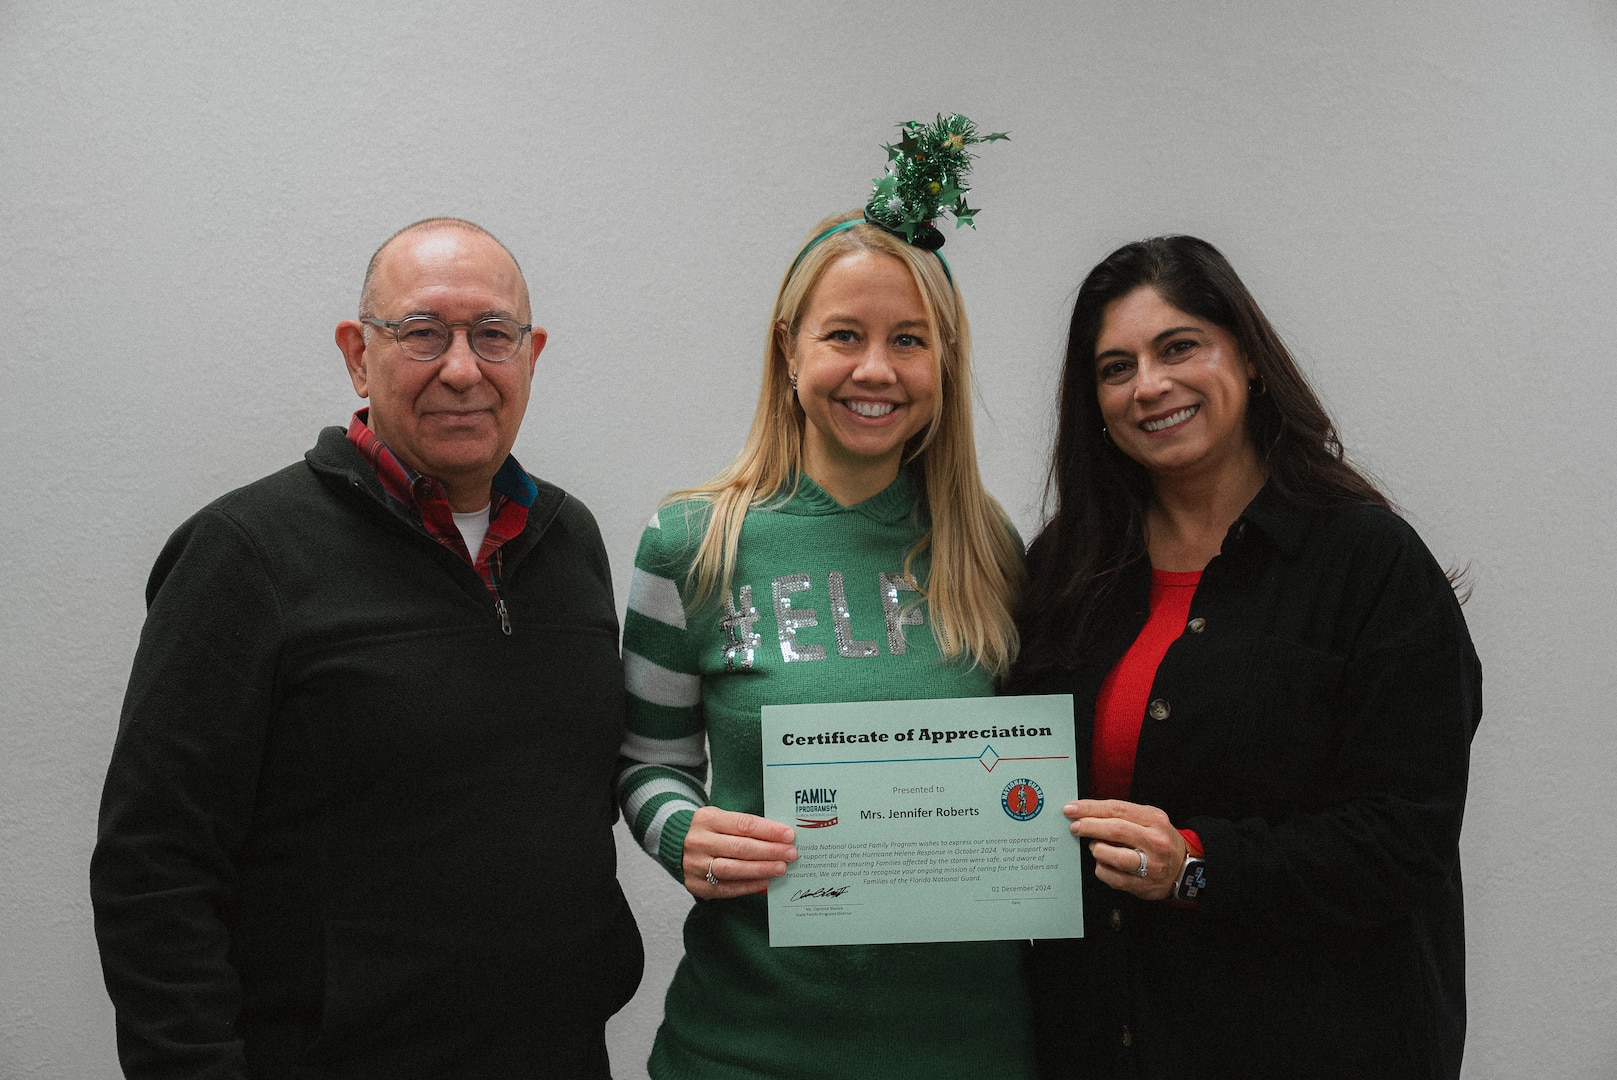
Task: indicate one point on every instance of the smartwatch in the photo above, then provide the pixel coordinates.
(1192, 880)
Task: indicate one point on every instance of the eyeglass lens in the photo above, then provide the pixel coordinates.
(423, 337)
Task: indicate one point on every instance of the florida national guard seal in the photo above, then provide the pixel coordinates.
(1023, 799)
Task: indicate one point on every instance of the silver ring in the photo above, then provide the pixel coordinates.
(1140, 871)
(711, 880)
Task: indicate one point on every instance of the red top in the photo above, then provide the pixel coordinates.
(1120, 706)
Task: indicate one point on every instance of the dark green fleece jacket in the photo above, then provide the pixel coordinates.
(351, 828)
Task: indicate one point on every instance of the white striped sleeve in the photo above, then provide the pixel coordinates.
(651, 843)
(653, 683)
(685, 794)
(656, 598)
(690, 751)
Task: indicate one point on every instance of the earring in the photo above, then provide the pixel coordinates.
(1257, 386)
(792, 375)
(1106, 436)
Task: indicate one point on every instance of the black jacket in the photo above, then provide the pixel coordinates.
(351, 828)
(1318, 735)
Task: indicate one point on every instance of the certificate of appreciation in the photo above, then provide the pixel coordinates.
(923, 820)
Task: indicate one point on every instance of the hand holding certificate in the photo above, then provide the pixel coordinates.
(923, 820)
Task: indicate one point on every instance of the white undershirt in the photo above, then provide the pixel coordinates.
(472, 528)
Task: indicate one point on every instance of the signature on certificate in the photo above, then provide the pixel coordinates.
(813, 894)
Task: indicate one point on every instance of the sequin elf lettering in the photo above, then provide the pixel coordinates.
(793, 616)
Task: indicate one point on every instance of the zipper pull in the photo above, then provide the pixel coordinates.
(505, 618)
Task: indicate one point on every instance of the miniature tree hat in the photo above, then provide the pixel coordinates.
(925, 179)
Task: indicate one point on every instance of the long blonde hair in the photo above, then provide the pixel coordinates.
(976, 570)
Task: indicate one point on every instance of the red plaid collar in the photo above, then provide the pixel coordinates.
(423, 499)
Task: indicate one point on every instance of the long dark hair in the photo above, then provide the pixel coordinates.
(1101, 495)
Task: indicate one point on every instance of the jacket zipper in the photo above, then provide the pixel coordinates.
(495, 565)
(500, 610)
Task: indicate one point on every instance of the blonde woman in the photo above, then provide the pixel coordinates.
(848, 553)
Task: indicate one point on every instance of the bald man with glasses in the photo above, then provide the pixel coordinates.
(358, 820)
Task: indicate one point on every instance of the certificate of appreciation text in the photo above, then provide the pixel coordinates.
(923, 820)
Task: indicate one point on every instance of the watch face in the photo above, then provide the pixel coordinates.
(1193, 880)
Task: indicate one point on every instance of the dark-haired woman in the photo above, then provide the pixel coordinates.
(1275, 695)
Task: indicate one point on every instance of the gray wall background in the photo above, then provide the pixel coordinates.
(1424, 197)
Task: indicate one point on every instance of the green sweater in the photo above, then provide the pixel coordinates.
(738, 1008)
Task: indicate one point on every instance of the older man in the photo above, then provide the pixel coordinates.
(358, 820)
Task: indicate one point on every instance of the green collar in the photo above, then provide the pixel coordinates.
(889, 506)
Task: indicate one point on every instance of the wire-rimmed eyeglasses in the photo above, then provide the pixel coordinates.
(427, 337)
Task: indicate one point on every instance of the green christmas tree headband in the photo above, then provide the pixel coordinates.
(925, 179)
